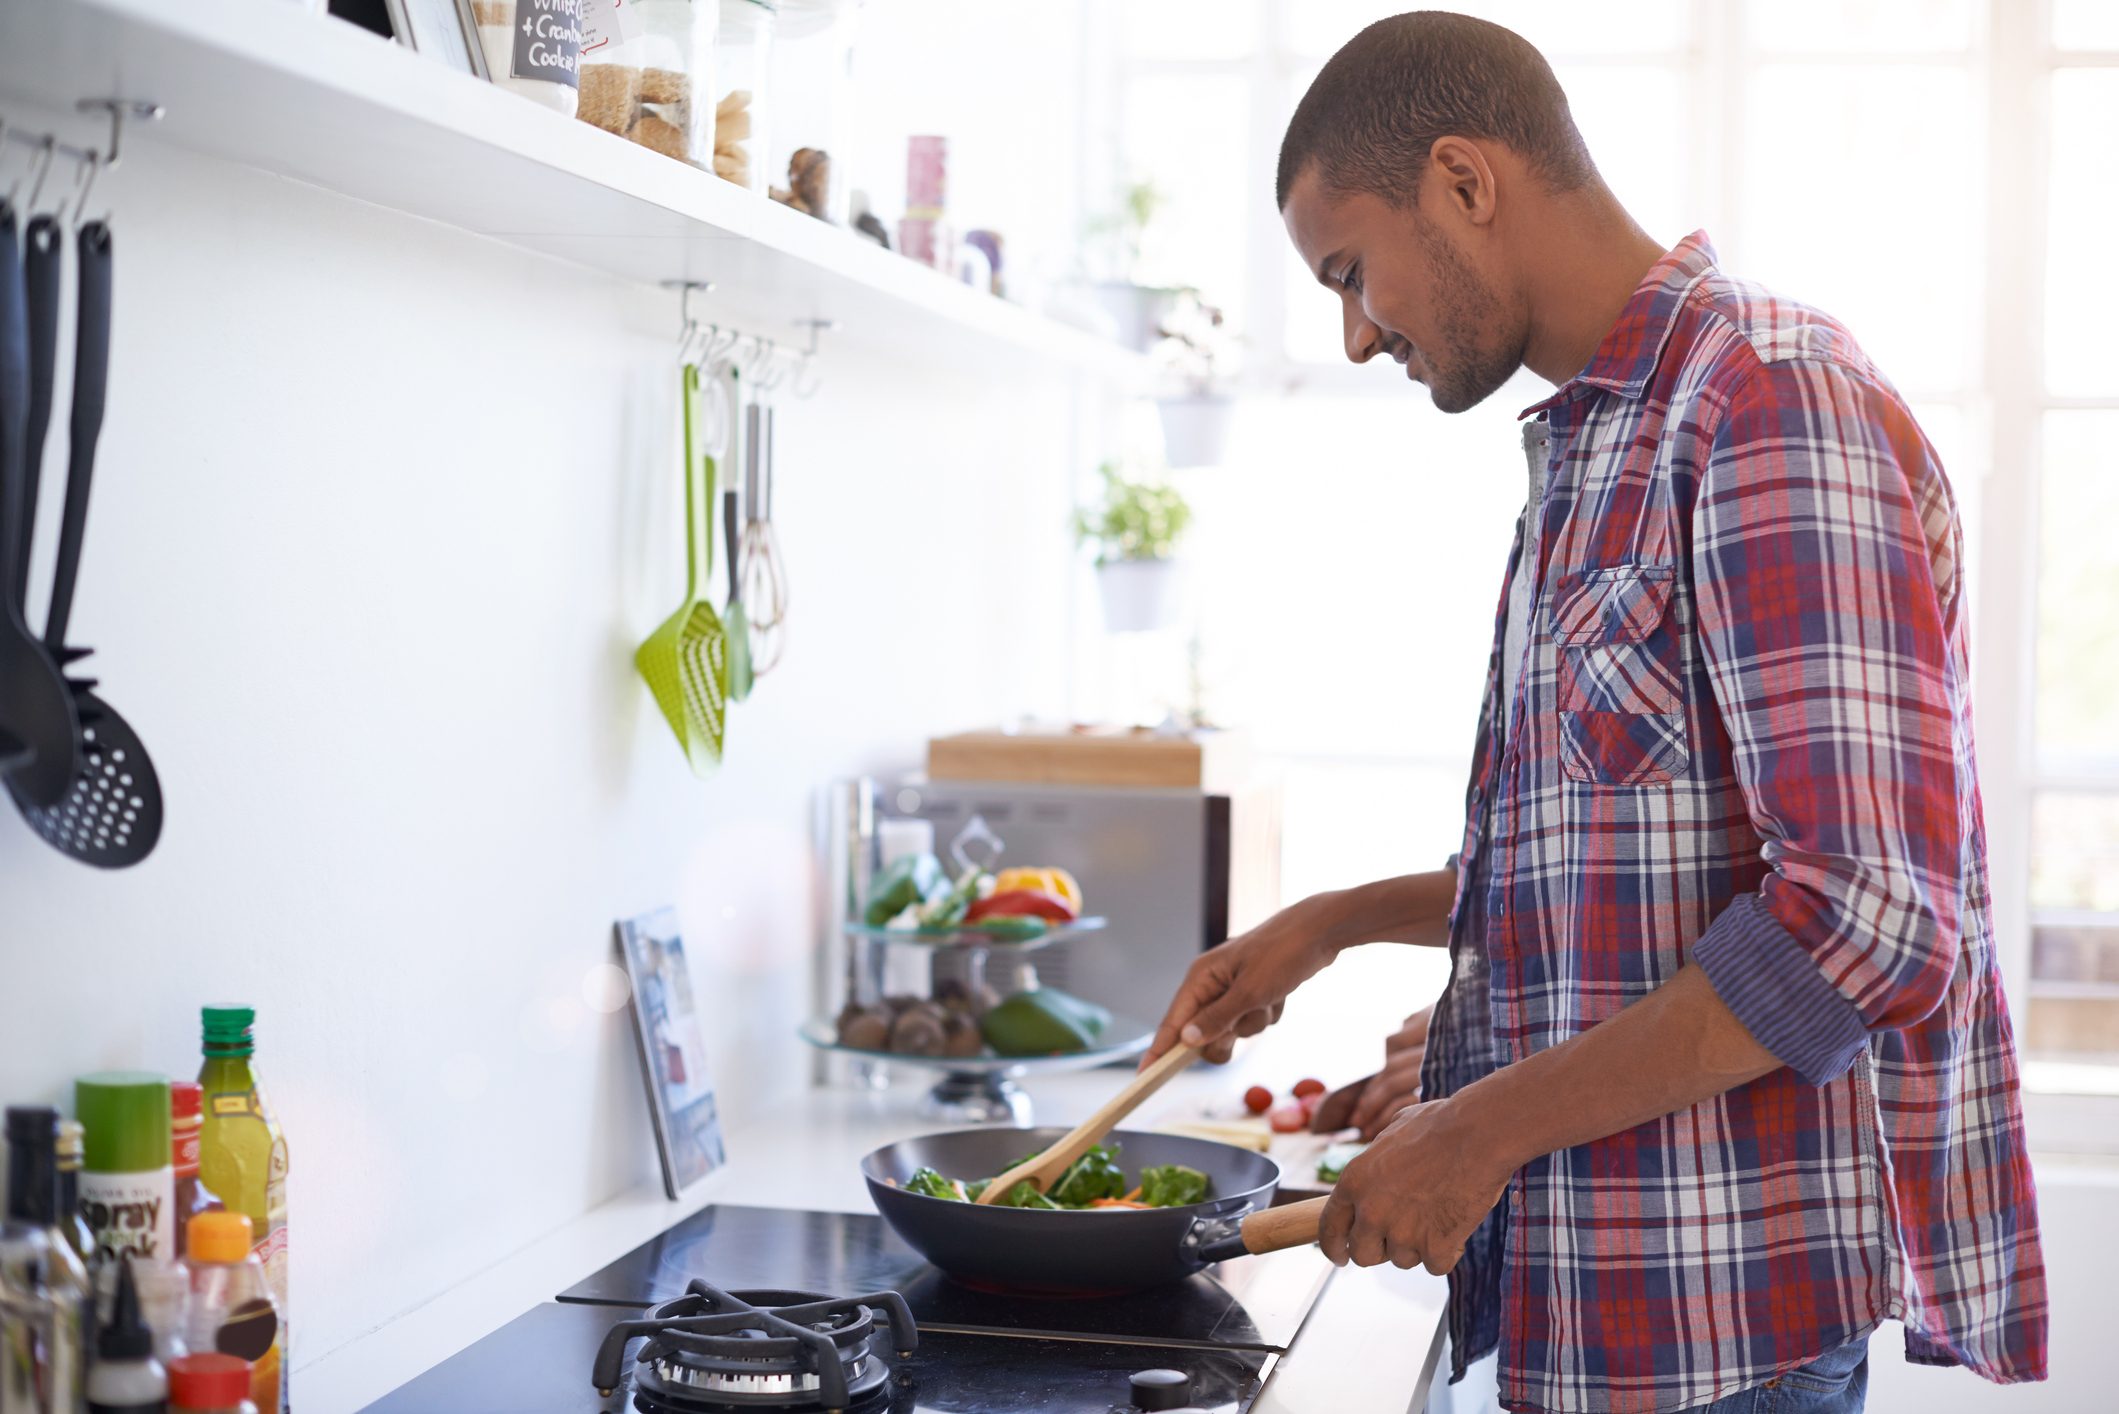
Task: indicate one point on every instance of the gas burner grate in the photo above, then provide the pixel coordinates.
(714, 1350)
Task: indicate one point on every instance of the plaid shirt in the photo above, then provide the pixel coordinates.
(1742, 735)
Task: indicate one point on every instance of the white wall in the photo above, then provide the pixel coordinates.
(383, 510)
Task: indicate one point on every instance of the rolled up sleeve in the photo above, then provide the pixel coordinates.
(1816, 569)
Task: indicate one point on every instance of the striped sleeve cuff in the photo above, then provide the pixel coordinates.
(1772, 984)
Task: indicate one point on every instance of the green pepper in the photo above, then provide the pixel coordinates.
(909, 879)
(1010, 928)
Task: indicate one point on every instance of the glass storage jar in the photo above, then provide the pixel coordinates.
(531, 51)
(610, 66)
(811, 157)
(743, 78)
(674, 47)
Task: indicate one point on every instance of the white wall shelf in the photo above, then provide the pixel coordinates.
(315, 100)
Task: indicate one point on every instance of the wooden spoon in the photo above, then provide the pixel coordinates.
(1044, 1169)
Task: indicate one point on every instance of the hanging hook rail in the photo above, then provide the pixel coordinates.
(766, 362)
(90, 159)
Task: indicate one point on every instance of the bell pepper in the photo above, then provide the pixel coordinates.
(1057, 882)
(1030, 903)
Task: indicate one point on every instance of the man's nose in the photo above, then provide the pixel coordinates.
(1363, 339)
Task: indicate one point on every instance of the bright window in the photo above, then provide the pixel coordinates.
(1352, 549)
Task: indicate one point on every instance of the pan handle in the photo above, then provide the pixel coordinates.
(1290, 1225)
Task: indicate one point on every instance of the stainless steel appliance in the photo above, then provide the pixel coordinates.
(1174, 870)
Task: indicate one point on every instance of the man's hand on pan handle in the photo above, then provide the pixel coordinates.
(1239, 988)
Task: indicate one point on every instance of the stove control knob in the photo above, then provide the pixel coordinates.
(1162, 1389)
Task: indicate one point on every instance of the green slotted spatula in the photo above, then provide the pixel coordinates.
(685, 661)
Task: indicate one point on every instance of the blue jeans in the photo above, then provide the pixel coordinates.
(1834, 1383)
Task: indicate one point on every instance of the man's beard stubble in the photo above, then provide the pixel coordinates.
(1464, 305)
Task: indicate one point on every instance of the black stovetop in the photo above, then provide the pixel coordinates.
(1255, 1303)
(979, 1352)
(539, 1364)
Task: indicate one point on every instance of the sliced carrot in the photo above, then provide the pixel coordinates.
(1134, 1196)
(1115, 1203)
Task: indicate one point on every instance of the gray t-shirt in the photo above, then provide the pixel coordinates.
(1522, 592)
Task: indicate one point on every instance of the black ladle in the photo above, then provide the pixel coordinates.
(111, 813)
(37, 720)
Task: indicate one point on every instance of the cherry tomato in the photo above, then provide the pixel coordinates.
(1258, 1099)
(1310, 1102)
(1288, 1119)
(1306, 1088)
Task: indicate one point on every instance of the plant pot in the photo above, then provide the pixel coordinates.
(1140, 595)
(1195, 429)
(1137, 311)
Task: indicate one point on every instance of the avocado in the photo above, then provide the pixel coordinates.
(1092, 1018)
(1039, 1023)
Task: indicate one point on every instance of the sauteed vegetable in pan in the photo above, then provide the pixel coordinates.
(1095, 1180)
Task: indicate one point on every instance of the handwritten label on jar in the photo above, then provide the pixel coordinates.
(548, 41)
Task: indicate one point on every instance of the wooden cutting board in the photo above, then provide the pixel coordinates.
(1216, 762)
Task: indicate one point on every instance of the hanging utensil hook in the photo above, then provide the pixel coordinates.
(93, 162)
(806, 378)
(119, 110)
(720, 346)
(687, 322)
(48, 149)
(90, 162)
(773, 371)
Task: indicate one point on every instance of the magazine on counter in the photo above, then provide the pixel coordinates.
(680, 1093)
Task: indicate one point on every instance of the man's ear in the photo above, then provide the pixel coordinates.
(1465, 179)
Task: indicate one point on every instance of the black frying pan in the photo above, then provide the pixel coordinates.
(1091, 1252)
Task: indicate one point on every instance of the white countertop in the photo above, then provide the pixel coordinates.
(1368, 1347)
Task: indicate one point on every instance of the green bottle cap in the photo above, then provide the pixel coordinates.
(227, 1029)
(126, 1116)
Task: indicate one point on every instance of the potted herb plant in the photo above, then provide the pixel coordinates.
(1136, 529)
(1193, 351)
(1136, 310)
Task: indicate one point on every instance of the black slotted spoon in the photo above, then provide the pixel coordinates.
(111, 813)
(37, 722)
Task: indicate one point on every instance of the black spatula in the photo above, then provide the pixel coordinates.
(37, 723)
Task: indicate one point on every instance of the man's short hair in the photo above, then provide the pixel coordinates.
(1375, 111)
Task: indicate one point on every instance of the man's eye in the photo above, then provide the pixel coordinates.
(1350, 278)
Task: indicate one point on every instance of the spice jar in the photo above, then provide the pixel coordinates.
(675, 50)
(533, 47)
(812, 73)
(743, 77)
(210, 1384)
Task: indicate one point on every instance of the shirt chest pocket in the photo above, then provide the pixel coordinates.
(1621, 680)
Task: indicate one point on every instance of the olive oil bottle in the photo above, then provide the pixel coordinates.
(243, 1159)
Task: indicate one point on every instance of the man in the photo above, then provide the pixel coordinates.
(1724, 1026)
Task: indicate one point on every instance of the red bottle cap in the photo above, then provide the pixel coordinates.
(210, 1381)
(186, 1098)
